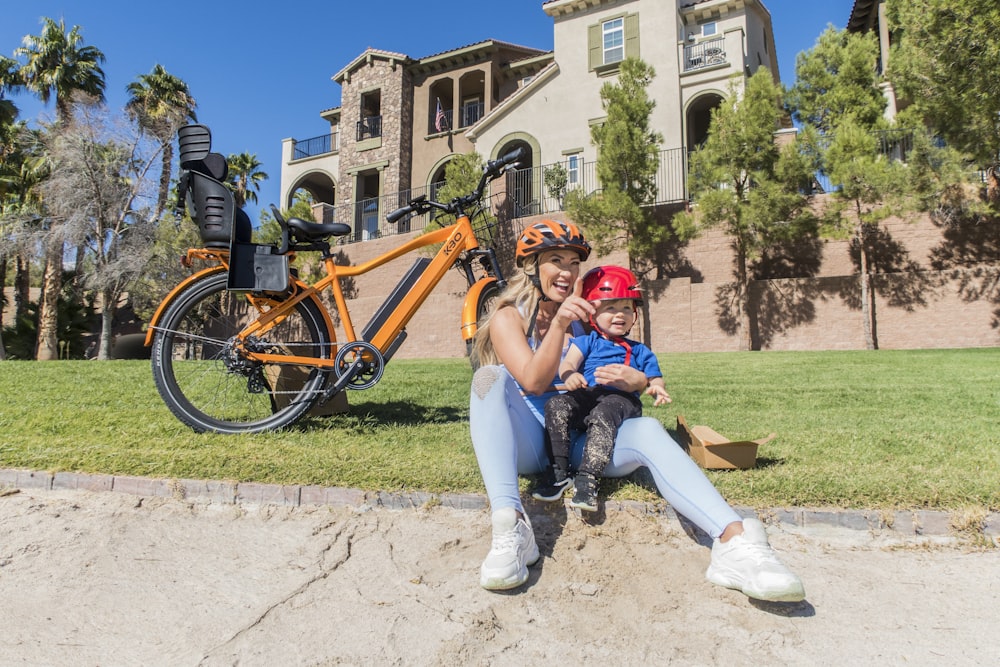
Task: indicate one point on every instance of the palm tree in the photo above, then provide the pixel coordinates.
(10, 80)
(56, 62)
(245, 177)
(161, 102)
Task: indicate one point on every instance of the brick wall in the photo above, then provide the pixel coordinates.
(941, 298)
(945, 296)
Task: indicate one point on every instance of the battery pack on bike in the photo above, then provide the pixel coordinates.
(397, 295)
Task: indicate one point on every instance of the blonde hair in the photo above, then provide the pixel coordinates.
(521, 293)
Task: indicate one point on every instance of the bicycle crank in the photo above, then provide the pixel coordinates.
(358, 365)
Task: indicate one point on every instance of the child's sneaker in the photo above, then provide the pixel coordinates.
(747, 563)
(585, 497)
(554, 486)
(512, 551)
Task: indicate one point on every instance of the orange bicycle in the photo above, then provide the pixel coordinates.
(244, 346)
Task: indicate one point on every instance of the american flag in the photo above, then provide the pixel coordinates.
(440, 120)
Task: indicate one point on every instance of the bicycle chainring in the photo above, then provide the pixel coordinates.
(361, 359)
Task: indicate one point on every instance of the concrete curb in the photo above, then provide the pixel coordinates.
(896, 524)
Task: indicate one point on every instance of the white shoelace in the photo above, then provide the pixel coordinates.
(506, 541)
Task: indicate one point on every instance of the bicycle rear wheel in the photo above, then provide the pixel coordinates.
(210, 386)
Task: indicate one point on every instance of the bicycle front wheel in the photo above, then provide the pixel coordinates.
(484, 306)
(210, 385)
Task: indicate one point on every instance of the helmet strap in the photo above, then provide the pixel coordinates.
(617, 340)
(534, 316)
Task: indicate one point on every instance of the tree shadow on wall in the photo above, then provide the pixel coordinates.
(886, 257)
(969, 253)
(669, 260)
(782, 296)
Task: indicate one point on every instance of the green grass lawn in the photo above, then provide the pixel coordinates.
(886, 429)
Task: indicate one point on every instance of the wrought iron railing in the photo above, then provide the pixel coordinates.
(894, 144)
(705, 54)
(445, 122)
(471, 113)
(369, 127)
(325, 143)
(522, 193)
(525, 192)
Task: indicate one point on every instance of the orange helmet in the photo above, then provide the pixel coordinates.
(606, 283)
(550, 235)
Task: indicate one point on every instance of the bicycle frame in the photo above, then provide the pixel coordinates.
(455, 240)
(230, 342)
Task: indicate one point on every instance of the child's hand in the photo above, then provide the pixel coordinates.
(659, 394)
(575, 381)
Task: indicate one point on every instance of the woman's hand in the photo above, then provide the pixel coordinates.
(621, 377)
(574, 307)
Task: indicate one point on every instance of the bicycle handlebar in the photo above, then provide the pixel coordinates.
(493, 170)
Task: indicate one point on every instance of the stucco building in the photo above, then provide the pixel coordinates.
(402, 119)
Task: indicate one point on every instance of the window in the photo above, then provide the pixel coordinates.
(709, 29)
(612, 41)
(613, 35)
(573, 166)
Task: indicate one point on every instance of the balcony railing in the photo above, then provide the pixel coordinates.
(471, 113)
(522, 193)
(446, 123)
(369, 127)
(894, 144)
(325, 143)
(705, 54)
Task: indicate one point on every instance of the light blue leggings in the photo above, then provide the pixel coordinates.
(509, 440)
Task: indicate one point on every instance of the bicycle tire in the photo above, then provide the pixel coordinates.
(210, 388)
(484, 304)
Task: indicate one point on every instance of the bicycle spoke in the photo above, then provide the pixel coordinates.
(212, 381)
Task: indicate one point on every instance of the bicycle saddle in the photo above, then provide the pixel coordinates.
(316, 231)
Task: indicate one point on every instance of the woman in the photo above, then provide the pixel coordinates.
(520, 347)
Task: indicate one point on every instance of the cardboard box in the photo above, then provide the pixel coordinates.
(714, 451)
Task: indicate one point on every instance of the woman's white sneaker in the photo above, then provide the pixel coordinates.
(747, 563)
(513, 550)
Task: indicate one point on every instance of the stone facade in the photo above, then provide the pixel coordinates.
(390, 153)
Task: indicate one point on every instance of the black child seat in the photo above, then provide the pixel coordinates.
(221, 223)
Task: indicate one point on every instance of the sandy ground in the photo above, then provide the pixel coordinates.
(112, 579)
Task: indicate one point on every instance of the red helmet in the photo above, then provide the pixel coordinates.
(610, 282)
(550, 235)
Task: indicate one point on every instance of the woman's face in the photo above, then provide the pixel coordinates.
(557, 273)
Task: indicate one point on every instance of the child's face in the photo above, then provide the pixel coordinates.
(615, 317)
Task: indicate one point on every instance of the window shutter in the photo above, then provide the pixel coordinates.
(595, 48)
(631, 35)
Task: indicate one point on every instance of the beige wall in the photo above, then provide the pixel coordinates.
(558, 110)
(432, 150)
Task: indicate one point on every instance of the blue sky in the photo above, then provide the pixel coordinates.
(261, 71)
